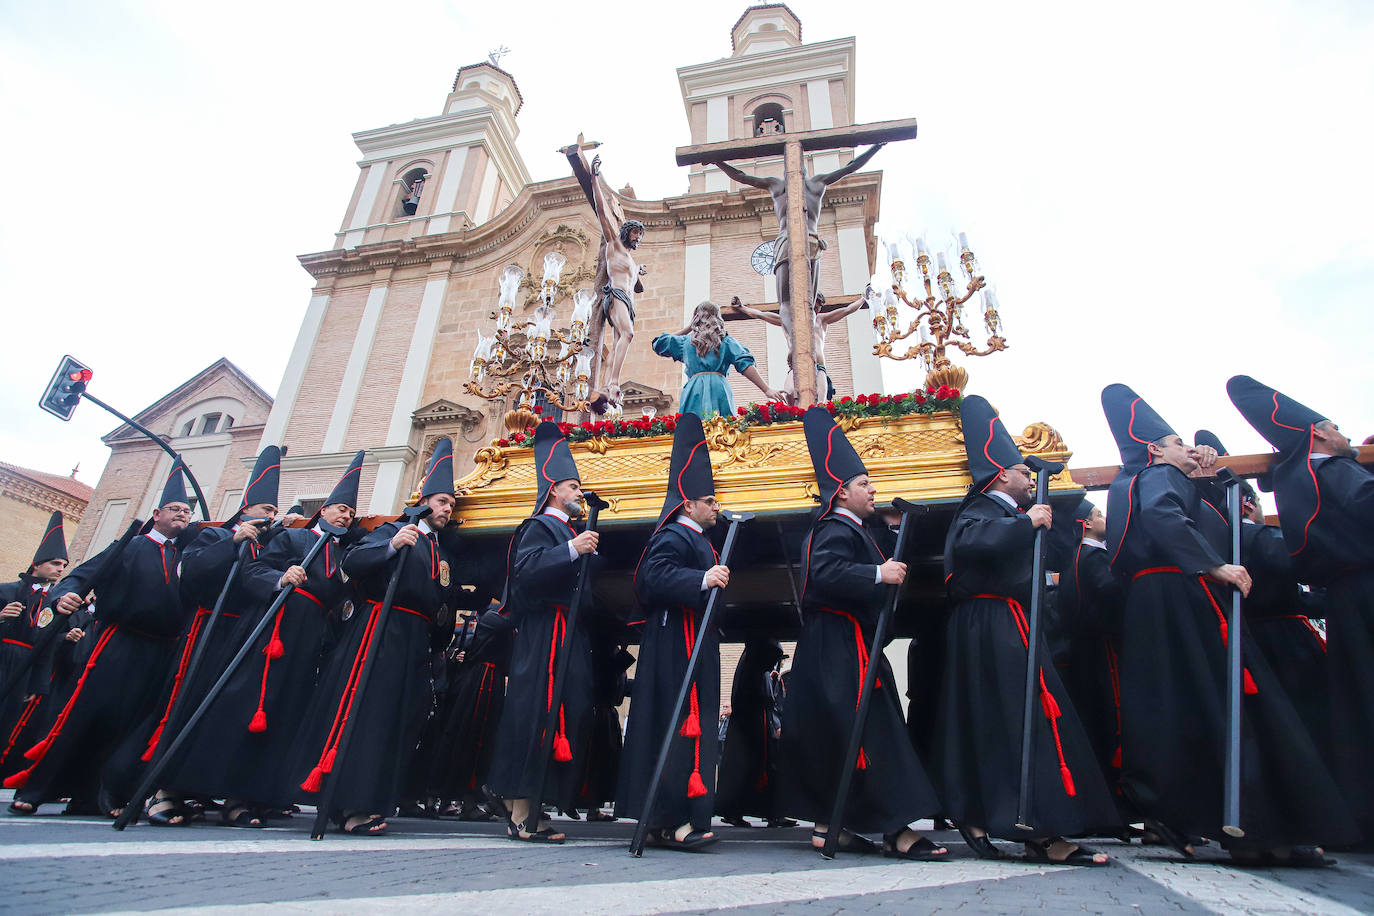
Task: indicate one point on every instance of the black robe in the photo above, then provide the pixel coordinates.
(747, 781)
(841, 601)
(1173, 686)
(1090, 600)
(387, 718)
(542, 580)
(20, 638)
(988, 561)
(610, 661)
(1339, 555)
(668, 586)
(476, 696)
(235, 753)
(139, 614)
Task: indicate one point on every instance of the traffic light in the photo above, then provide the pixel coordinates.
(65, 390)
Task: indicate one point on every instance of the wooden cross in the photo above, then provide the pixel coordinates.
(791, 146)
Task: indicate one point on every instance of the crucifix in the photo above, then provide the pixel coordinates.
(795, 209)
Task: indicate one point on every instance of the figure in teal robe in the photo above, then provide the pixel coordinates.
(706, 391)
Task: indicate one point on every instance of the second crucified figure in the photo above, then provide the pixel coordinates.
(813, 192)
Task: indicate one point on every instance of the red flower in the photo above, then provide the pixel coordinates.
(954, 393)
(517, 437)
(846, 400)
(942, 393)
(930, 389)
(741, 410)
(503, 443)
(918, 397)
(861, 399)
(538, 408)
(830, 406)
(670, 423)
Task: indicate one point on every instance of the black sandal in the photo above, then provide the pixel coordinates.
(544, 835)
(1169, 836)
(853, 842)
(923, 850)
(240, 816)
(692, 842)
(168, 817)
(1040, 853)
(982, 846)
(375, 825)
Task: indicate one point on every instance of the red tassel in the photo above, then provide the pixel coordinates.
(36, 752)
(1067, 777)
(695, 787)
(1116, 759)
(1049, 705)
(562, 751)
(328, 765)
(1250, 687)
(259, 723)
(18, 780)
(314, 781)
(862, 763)
(152, 745)
(691, 726)
(275, 649)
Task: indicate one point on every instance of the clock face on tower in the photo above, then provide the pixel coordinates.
(762, 258)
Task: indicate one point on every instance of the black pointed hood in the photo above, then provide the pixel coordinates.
(832, 456)
(263, 482)
(1275, 416)
(990, 448)
(54, 543)
(439, 475)
(346, 490)
(553, 461)
(689, 472)
(1288, 426)
(174, 490)
(1207, 437)
(1134, 424)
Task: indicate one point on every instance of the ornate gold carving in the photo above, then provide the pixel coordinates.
(558, 239)
(490, 465)
(874, 449)
(723, 435)
(598, 445)
(847, 423)
(1039, 438)
(951, 376)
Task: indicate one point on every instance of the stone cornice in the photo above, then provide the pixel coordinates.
(40, 496)
(338, 460)
(784, 66)
(544, 197)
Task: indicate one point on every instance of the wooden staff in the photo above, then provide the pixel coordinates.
(1044, 470)
(166, 750)
(1235, 669)
(875, 654)
(642, 828)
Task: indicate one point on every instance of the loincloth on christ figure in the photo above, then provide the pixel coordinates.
(782, 250)
(609, 294)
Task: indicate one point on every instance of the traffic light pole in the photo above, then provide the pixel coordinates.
(195, 485)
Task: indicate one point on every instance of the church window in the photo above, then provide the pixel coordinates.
(209, 423)
(186, 429)
(412, 186)
(768, 120)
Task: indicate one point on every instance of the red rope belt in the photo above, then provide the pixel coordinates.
(1048, 705)
(15, 642)
(861, 650)
(691, 726)
(37, 752)
(1211, 599)
(562, 750)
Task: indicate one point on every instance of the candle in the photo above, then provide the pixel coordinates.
(510, 283)
(921, 245)
(963, 241)
(894, 251)
(553, 267)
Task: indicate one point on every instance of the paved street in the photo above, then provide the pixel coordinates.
(51, 864)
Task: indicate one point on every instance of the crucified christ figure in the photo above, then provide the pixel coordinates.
(617, 296)
(813, 190)
(825, 388)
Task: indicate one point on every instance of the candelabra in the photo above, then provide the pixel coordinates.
(939, 314)
(527, 350)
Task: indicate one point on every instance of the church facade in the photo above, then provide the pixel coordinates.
(442, 204)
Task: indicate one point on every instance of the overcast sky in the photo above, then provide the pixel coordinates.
(1165, 194)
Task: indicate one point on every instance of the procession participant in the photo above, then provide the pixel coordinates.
(22, 623)
(541, 582)
(205, 565)
(845, 583)
(250, 728)
(746, 783)
(1325, 500)
(1090, 601)
(387, 719)
(988, 561)
(673, 579)
(477, 677)
(707, 352)
(610, 660)
(139, 615)
(1174, 667)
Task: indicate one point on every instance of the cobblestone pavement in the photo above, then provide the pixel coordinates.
(51, 864)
